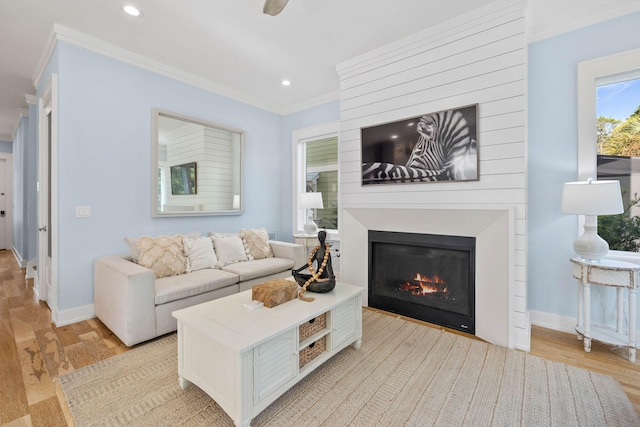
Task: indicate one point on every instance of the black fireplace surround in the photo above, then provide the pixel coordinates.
(424, 276)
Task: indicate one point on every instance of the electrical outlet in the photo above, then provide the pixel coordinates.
(83, 211)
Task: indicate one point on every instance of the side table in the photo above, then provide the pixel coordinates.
(307, 240)
(613, 273)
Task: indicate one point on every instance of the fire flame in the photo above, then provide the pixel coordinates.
(425, 285)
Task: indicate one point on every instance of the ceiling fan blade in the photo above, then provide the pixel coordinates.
(274, 7)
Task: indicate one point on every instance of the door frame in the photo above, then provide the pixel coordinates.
(8, 232)
(48, 102)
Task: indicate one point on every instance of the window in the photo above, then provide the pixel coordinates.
(315, 156)
(605, 114)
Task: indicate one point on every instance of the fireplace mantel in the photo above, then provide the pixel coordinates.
(494, 231)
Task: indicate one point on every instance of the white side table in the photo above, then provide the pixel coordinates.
(307, 240)
(613, 273)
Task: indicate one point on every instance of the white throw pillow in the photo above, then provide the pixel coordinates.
(256, 243)
(200, 254)
(229, 249)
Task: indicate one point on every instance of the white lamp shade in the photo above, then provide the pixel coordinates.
(310, 201)
(592, 198)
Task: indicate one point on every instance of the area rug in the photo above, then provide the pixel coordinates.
(404, 374)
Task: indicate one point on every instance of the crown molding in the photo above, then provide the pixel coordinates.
(6, 138)
(22, 113)
(45, 57)
(67, 35)
(309, 103)
(31, 99)
(580, 18)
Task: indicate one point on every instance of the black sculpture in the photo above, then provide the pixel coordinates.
(322, 280)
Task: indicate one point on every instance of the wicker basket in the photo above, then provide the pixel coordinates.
(312, 351)
(312, 326)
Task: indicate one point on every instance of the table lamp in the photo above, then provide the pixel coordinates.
(591, 198)
(310, 201)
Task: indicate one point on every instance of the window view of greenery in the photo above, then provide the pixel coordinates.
(618, 149)
(322, 176)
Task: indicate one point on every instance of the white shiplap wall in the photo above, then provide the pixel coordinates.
(478, 58)
(213, 151)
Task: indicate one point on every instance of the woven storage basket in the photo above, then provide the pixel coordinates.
(312, 351)
(312, 326)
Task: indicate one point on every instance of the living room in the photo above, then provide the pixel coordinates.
(528, 147)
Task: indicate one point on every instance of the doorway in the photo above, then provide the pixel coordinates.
(6, 176)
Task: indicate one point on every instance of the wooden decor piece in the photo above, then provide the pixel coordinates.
(275, 292)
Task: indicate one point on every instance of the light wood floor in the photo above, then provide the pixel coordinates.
(33, 353)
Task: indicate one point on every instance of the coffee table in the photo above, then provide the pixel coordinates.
(246, 359)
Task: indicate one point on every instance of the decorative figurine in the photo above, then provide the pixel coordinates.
(322, 280)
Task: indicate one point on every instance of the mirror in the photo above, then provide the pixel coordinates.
(196, 167)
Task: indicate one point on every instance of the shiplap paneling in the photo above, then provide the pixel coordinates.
(480, 58)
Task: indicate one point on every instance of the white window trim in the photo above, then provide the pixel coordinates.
(590, 74)
(300, 137)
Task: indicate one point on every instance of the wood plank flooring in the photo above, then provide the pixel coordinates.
(34, 352)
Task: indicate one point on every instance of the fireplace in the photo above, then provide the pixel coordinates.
(424, 276)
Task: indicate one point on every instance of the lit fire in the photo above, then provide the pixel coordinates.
(425, 285)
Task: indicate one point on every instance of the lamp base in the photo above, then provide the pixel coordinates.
(311, 227)
(590, 246)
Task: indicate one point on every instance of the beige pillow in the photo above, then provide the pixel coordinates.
(163, 254)
(229, 249)
(132, 243)
(199, 253)
(256, 243)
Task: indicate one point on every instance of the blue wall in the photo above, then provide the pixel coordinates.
(6, 147)
(553, 153)
(104, 160)
(20, 143)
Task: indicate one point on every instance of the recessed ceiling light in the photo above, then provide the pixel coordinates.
(131, 10)
(394, 136)
(286, 83)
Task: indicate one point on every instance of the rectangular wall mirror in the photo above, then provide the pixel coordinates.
(196, 166)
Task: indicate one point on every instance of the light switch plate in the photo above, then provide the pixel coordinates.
(83, 211)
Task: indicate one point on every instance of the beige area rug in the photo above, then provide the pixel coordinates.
(404, 374)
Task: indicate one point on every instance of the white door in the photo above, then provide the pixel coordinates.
(47, 134)
(3, 204)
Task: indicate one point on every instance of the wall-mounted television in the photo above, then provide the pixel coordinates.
(184, 179)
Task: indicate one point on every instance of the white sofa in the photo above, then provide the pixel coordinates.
(137, 307)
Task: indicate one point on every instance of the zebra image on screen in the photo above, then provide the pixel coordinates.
(446, 150)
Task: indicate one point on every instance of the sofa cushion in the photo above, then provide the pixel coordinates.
(163, 254)
(229, 249)
(256, 243)
(260, 267)
(186, 285)
(200, 254)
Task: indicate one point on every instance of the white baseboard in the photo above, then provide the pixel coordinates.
(553, 321)
(22, 263)
(31, 269)
(78, 314)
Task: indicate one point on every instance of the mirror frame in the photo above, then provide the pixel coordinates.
(156, 113)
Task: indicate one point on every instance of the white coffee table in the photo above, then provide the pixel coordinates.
(246, 359)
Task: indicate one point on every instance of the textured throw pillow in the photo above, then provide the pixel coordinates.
(256, 243)
(200, 254)
(229, 249)
(163, 254)
(132, 243)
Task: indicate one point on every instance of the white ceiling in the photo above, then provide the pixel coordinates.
(230, 44)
